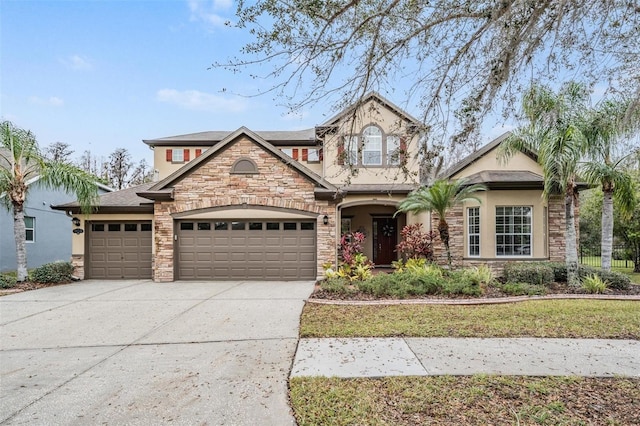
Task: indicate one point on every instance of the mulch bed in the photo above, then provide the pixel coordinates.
(492, 292)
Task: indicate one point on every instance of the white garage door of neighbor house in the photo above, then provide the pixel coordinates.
(117, 250)
(261, 249)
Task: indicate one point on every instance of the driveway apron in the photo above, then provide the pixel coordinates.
(138, 352)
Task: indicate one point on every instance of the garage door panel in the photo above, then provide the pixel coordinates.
(272, 256)
(257, 253)
(114, 253)
(114, 242)
(203, 257)
(220, 256)
(255, 257)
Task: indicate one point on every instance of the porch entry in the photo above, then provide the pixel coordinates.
(385, 238)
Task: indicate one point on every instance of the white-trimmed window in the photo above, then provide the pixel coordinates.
(177, 156)
(393, 150)
(352, 151)
(513, 231)
(313, 156)
(30, 228)
(473, 230)
(372, 146)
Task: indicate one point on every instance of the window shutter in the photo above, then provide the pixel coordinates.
(186, 155)
(321, 154)
(305, 155)
(169, 155)
(341, 154)
(198, 152)
(295, 153)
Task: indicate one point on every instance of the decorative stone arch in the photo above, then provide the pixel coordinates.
(244, 166)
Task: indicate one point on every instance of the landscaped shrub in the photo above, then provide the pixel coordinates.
(337, 285)
(7, 281)
(594, 284)
(559, 271)
(614, 279)
(462, 282)
(416, 243)
(521, 289)
(420, 282)
(536, 273)
(481, 274)
(56, 272)
(382, 285)
(355, 265)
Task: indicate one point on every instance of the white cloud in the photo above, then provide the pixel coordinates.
(208, 11)
(77, 62)
(53, 101)
(201, 101)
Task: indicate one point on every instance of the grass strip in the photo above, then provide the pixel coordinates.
(476, 400)
(539, 318)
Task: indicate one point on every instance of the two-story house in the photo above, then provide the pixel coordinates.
(272, 205)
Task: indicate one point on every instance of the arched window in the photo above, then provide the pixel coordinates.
(372, 146)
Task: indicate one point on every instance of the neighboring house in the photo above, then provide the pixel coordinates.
(48, 231)
(272, 205)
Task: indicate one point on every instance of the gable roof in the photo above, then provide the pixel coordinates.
(163, 189)
(275, 137)
(373, 96)
(126, 200)
(474, 156)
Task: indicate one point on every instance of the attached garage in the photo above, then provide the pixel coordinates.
(228, 249)
(117, 250)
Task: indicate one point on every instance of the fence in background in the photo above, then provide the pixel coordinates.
(621, 256)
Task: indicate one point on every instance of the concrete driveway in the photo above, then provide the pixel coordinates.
(137, 352)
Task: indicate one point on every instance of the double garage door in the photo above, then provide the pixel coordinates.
(118, 250)
(245, 249)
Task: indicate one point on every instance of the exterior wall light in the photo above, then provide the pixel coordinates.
(75, 221)
(325, 219)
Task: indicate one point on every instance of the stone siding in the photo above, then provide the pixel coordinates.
(213, 185)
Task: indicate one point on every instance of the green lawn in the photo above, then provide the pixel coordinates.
(477, 400)
(539, 318)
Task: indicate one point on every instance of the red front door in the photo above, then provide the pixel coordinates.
(385, 238)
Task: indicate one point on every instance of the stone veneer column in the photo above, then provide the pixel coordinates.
(556, 228)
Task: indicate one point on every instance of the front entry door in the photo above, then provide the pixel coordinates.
(385, 238)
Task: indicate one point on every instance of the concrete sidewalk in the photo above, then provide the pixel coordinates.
(378, 357)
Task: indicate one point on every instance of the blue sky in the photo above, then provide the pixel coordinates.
(101, 75)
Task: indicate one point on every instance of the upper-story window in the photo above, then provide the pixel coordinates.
(372, 148)
(177, 155)
(393, 150)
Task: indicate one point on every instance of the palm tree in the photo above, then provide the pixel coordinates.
(554, 133)
(604, 127)
(441, 196)
(21, 162)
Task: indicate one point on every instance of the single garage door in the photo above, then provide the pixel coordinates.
(246, 249)
(119, 250)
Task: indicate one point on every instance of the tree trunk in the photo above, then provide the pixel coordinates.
(19, 235)
(636, 258)
(571, 247)
(606, 247)
(443, 229)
